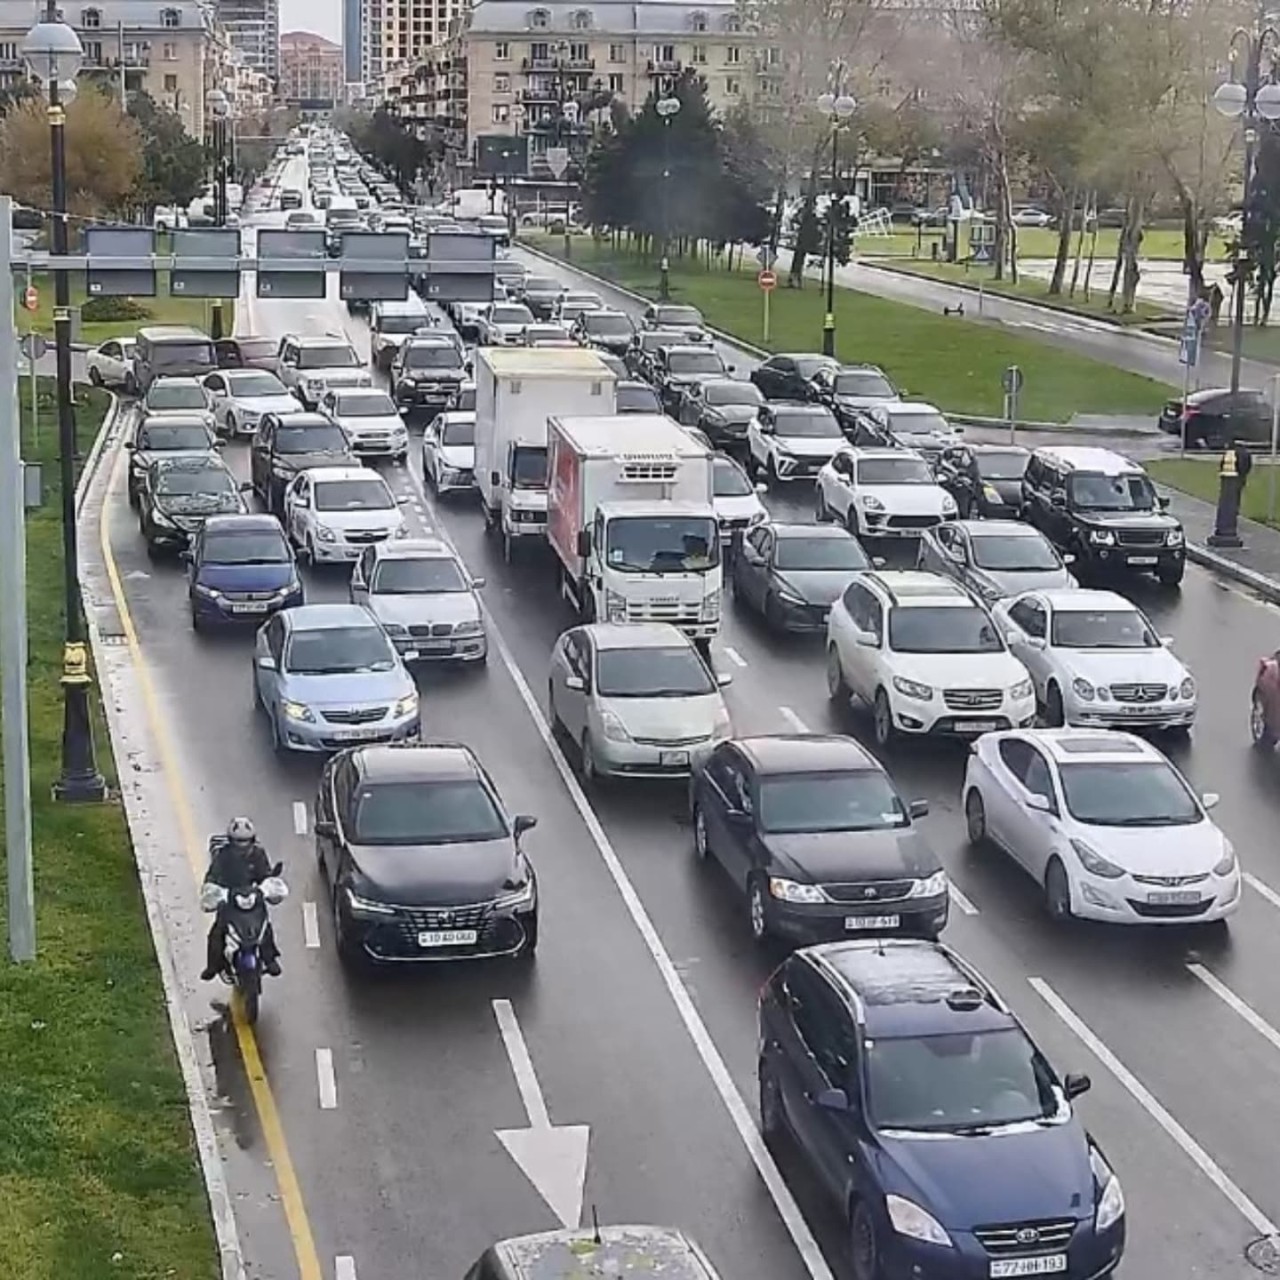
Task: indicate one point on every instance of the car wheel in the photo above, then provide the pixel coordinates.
(837, 686)
(1055, 715)
(772, 612)
(229, 425)
(277, 740)
(530, 948)
(882, 719)
(975, 818)
(557, 726)
(1171, 575)
(153, 551)
(773, 1122)
(309, 551)
(94, 376)
(1057, 892)
(348, 953)
(196, 625)
(863, 1248)
(701, 839)
(1261, 733)
(757, 910)
(587, 753)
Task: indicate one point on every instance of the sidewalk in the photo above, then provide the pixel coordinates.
(1255, 565)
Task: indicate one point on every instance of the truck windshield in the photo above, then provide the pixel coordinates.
(662, 544)
(529, 468)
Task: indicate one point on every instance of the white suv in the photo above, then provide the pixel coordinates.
(925, 657)
(882, 493)
(309, 366)
(792, 441)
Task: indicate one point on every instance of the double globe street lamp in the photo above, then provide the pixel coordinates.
(838, 107)
(54, 55)
(667, 108)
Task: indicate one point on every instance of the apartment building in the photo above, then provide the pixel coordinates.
(253, 28)
(401, 31)
(311, 69)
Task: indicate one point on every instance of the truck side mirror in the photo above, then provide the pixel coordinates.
(584, 543)
(494, 478)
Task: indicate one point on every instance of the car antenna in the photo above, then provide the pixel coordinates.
(595, 1226)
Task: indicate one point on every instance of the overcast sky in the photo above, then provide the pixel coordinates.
(324, 17)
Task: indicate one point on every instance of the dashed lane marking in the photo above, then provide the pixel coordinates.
(299, 818)
(325, 1080)
(1263, 888)
(962, 901)
(344, 1267)
(1236, 1005)
(793, 720)
(734, 656)
(310, 926)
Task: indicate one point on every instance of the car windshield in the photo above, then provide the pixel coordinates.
(250, 547)
(680, 316)
(604, 325)
(459, 432)
(336, 356)
(638, 399)
(695, 362)
(1102, 629)
(256, 384)
(541, 284)
(164, 439)
(172, 355)
(813, 426)
(959, 1082)
(912, 424)
(311, 438)
(407, 813)
(1112, 493)
(806, 368)
(1016, 553)
(657, 544)
(401, 323)
(1001, 466)
(354, 495)
(215, 481)
(331, 651)
(466, 401)
(870, 385)
(373, 404)
(426, 576)
(544, 333)
(734, 393)
(181, 395)
(729, 480)
(861, 800)
(256, 348)
(511, 315)
(676, 672)
(818, 554)
(529, 467)
(894, 471)
(942, 629)
(423, 355)
(1128, 794)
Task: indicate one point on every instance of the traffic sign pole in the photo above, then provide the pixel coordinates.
(1011, 380)
(767, 281)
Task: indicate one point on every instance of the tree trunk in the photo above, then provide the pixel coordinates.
(1119, 262)
(1066, 221)
(795, 277)
(1132, 245)
(1193, 239)
(1090, 209)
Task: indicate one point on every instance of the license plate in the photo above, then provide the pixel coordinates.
(1173, 898)
(250, 606)
(448, 938)
(1147, 711)
(978, 726)
(355, 735)
(1144, 559)
(672, 759)
(435, 646)
(872, 922)
(1046, 1265)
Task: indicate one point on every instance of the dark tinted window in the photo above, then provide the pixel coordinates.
(1001, 466)
(173, 355)
(338, 650)
(863, 800)
(1016, 553)
(1096, 492)
(176, 395)
(1103, 629)
(818, 426)
(420, 356)
(256, 547)
(1118, 794)
(427, 576)
(311, 438)
(337, 356)
(400, 813)
(651, 673)
(458, 433)
(164, 439)
(942, 629)
(864, 384)
(203, 480)
(817, 554)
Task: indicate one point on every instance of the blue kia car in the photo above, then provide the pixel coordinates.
(240, 569)
(919, 1102)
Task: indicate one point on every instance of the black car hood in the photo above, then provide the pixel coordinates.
(733, 414)
(836, 856)
(306, 461)
(1128, 520)
(440, 875)
(198, 504)
(1009, 490)
(691, 379)
(816, 586)
(433, 375)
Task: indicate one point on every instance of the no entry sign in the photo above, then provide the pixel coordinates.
(767, 280)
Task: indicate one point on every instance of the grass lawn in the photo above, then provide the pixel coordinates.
(1199, 478)
(1260, 343)
(162, 309)
(953, 363)
(1157, 242)
(96, 1153)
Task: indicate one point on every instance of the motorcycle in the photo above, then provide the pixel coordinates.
(245, 914)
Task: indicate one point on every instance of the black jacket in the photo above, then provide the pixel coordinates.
(232, 869)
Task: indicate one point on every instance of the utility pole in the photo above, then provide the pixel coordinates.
(13, 621)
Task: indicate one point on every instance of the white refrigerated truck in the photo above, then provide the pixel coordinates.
(631, 520)
(517, 390)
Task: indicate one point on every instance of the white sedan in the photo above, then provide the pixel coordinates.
(110, 363)
(1106, 826)
(882, 493)
(370, 419)
(449, 451)
(332, 514)
(242, 396)
(1096, 660)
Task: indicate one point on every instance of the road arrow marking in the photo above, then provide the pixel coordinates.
(552, 1157)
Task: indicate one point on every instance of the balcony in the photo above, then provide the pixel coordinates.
(664, 67)
(537, 64)
(580, 64)
(538, 95)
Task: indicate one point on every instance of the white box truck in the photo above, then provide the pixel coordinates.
(517, 390)
(631, 520)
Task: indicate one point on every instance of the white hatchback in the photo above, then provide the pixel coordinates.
(331, 514)
(1106, 826)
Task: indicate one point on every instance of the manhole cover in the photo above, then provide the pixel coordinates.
(1264, 1255)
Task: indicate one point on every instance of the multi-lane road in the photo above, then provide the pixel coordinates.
(639, 1015)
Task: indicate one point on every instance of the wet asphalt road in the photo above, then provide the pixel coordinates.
(404, 1174)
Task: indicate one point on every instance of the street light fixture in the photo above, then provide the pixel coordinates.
(838, 107)
(219, 106)
(54, 55)
(667, 109)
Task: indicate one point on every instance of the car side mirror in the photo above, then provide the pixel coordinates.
(494, 478)
(1210, 799)
(247, 486)
(1058, 499)
(833, 1100)
(867, 639)
(576, 683)
(918, 808)
(738, 817)
(1162, 501)
(731, 368)
(584, 543)
(762, 488)
(1167, 641)
(267, 663)
(724, 679)
(324, 827)
(523, 822)
(1069, 558)
(879, 561)
(403, 500)
(1076, 1083)
(1036, 642)
(477, 583)
(1039, 803)
(129, 446)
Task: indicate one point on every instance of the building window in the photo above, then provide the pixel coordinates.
(615, 83)
(617, 53)
(732, 87)
(539, 51)
(171, 84)
(579, 52)
(733, 23)
(91, 18)
(501, 51)
(733, 55)
(580, 20)
(169, 52)
(170, 18)
(502, 83)
(664, 53)
(501, 113)
(540, 19)
(773, 55)
(698, 54)
(698, 21)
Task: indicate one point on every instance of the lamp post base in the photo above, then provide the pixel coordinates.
(1224, 540)
(80, 782)
(664, 279)
(829, 335)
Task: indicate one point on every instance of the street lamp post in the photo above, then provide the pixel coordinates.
(569, 117)
(838, 107)
(1255, 103)
(220, 110)
(667, 109)
(54, 55)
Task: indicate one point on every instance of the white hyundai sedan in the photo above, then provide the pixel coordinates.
(1104, 824)
(370, 419)
(331, 514)
(242, 396)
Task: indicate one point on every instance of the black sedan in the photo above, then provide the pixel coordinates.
(723, 409)
(788, 376)
(1213, 418)
(984, 479)
(812, 830)
(793, 573)
(166, 435)
(422, 860)
(177, 495)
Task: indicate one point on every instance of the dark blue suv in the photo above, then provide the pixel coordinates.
(240, 569)
(921, 1104)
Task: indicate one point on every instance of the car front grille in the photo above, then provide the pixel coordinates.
(362, 537)
(912, 522)
(674, 612)
(1041, 1236)
(1140, 537)
(1139, 692)
(972, 699)
(869, 891)
(671, 742)
(422, 918)
(1171, 882)
(424, 630)
(354, 715)
(239, 596)
(1170, 910)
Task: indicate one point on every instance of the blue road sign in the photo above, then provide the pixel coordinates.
(1189, 343)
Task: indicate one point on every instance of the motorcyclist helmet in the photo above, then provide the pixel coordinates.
(240, 832)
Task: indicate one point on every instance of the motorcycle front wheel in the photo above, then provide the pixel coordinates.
(249, 984)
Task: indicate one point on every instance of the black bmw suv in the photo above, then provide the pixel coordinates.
(1104, 510)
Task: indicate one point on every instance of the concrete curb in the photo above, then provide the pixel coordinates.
(760, 353)
(1207, 558)
(149, 858)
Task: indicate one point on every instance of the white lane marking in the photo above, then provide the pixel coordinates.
(703, 1044)
(1261, 886)
(961, 900)
(734, 656)
(1147, 1101)
(344, 1267)
(521, 1064)
(310, 926)
(299, 818)
(325, 1079)
(793, 720)
(1234, 1003)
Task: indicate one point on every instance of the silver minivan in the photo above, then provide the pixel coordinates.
(391, 323)
(169, 351)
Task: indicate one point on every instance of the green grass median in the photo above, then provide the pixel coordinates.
(953, 363)
(1199, 478)
(98, 1172)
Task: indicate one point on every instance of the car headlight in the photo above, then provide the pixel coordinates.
(790, 597)
(615, 606)
(1094, 863)
(758, 517)
(1226, 865)
(613, 727)
(1023, 689)
(871, 503)
(406, 706)
(948, 504)
(399, 433)
(722, 726)
(207, 592)
(1187, 689)
(1110, 1203)
(1102, 537)
(402, 530)
(1174, 538)
(793, 891)
(297, 711)
(160, 518)
(909, 1219)
(366, 906)
(913, 689)
(930, 887)
(1083, 689)
(992, 494)
(474, 627)
(711, 607)
(394, 629)
(325, 534)
(521, 896)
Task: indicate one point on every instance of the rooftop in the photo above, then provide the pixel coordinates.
(806, 753)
